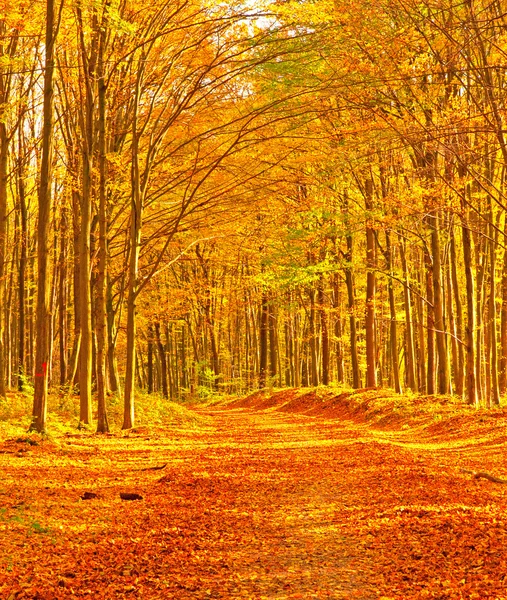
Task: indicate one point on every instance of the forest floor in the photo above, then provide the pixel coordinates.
(289, 495)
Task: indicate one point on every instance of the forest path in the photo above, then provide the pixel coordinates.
(256, 504)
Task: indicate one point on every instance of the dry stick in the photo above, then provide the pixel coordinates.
(482, 474)
(155, 468)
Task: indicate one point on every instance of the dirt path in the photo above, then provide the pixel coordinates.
(255, 505)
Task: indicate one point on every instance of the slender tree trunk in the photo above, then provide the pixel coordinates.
(430, 326)
(4, 155)
(263, 341)
(354, 357)
(460, 369)
(62, 300)
(136, 216)
(438, 307)
(338, 329)
(44, 211)
(324, 328)
(112, 366)
(314, 362)
(494, 391)
(410, 349)
(22, 266)
(393, 330)
(101, 306)
(163, 361)
(273, 350)
(371, 367)
(470, 380)
(150, 358)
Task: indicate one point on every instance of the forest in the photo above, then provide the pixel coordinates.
(253, 299)
(200, 198)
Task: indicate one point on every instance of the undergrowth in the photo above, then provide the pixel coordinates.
(151, 410)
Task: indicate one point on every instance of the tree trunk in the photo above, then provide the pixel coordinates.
(460, 368)
(438, 307)
(150, 359)
(470, 379)
(44, 211)
(263, 341)
(430, 326)
(101, 306)
(371, 367)
(393, 328)
(163, 360)
(409, 326)
(324, 329)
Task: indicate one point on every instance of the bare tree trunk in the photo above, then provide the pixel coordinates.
(263, 341)
(62, 300)
(136, 215)
(163, 361)
(410, 350)
(314, 363)
(4, 154)
(324, 328)
(438, 307)
(22, 264)
(460, 368)
(371, 366)
(273, 350)
(430, 325)
(150, 359)
(338, 329)
(494, 391)
(43, 298)
(470, 380)
(393, 334)
(101, 306)
(351, 305)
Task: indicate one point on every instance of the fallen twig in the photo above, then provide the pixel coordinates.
(155, 468)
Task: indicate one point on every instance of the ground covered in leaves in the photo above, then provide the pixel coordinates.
(289, 495)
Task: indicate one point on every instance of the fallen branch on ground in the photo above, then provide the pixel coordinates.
(483, 475)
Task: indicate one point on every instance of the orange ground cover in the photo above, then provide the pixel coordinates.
(360, 500)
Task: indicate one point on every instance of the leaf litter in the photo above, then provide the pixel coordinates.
(277, 497)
